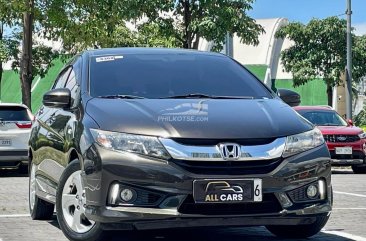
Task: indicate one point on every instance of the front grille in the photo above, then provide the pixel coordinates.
(145, 198)
(229, 167)
(299, 194)
(341, 138)
(269, 204)
(355, 155)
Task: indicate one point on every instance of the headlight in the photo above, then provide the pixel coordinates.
(303, 142)
(362, 135)
(143, 145)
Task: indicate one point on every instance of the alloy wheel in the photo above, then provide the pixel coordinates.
(73, 205)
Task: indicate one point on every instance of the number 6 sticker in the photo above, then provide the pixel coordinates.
(257, 190)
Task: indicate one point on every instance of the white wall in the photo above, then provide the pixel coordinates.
(267, 49)
(277, 69)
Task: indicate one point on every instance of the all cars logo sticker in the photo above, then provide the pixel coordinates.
(222, 191)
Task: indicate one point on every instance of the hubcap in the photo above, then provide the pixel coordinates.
(73, 205)
(32, 187)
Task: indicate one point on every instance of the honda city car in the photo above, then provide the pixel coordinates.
(141, 138)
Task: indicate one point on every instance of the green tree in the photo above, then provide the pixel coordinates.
(34, 58)
(171, 23)
(87, 24)
(9, 16)
(359, 58)
(188, 21)
(319, 50)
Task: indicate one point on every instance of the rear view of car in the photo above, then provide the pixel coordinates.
(15, 127)
(346, 142)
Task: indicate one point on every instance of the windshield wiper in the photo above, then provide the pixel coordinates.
(205, 96)
(121, 97)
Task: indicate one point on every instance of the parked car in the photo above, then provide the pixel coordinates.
(15, 128)
(139, 138)
(346, 142)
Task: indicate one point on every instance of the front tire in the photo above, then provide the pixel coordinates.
(359, 169)
(299, 231)
(70, 207)
(39, 209)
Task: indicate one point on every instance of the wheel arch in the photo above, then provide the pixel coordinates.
(74, 154)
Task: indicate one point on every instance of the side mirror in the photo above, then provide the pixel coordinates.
(290, 97)
(57, 98)
(350, 122)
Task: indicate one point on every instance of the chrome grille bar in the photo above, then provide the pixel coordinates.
(212, 153)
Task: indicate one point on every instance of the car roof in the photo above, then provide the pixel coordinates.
(113, 51)
(13, 105)
(327, 108)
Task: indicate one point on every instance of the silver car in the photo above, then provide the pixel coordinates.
(15, 127)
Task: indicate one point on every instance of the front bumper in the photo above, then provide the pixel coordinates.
(101, 168)
(356, 158)
(347, 162)
(123, 218)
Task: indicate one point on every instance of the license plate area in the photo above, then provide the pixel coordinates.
(227, 191)
(343, 150)
(5, 142)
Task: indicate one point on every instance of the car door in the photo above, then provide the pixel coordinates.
(61, 131)
(43, 142)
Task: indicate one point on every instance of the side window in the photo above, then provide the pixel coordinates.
(73, 86)
(61, 79)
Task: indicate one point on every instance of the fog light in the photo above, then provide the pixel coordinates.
(322, 189)
(113, 194)
(127, 194)
(312, 191)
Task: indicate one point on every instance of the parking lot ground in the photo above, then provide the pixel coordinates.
(347, 221)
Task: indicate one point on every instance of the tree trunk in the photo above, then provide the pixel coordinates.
(1, 75)
(1, 64)
(187, 21)
(330, 94)
(26, 60)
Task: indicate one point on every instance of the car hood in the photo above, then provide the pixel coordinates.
(340, 130)
(198, 118)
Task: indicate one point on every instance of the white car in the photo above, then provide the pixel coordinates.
(15, 127)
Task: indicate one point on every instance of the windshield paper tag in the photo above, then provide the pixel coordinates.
(107, 58)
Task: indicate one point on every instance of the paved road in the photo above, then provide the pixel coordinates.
(347, 222)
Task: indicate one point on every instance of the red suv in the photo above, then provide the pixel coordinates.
(346, 142)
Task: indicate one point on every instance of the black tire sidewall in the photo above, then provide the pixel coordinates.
(92, 235)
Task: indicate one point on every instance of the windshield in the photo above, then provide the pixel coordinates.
(323, 118)
(170, 75)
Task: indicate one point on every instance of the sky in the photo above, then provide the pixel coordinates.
(304, 10)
